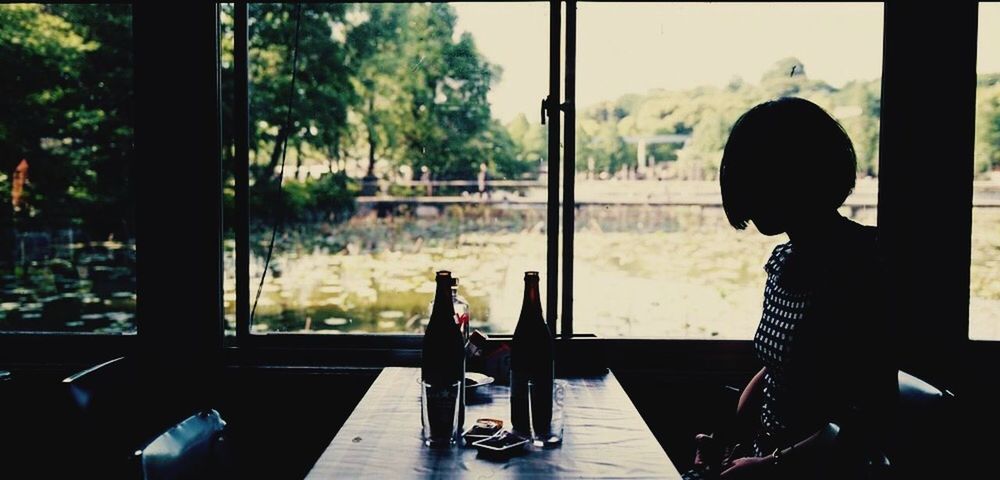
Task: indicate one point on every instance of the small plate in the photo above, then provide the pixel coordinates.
(473, 380)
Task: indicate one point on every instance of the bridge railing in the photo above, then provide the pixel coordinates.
(461, 183)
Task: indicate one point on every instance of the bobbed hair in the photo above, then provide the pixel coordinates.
(788, 150)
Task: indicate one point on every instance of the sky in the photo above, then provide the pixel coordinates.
(989, 38)
(635, 47)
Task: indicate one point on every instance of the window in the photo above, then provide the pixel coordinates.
(660, 86)
(67, 248)
(397, 107)
(413, 144)
(984, 288)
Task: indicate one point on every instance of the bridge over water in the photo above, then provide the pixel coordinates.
(528, 193)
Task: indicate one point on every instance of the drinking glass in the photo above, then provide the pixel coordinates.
(439, 406)
(550, 434)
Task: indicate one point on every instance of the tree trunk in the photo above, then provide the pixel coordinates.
(369, 182)
(279, 141)
(298, 160)
(371, 137)
(332, 157)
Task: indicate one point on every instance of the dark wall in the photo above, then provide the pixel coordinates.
(281, 421)
(676, 408)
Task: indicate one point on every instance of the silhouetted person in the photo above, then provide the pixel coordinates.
(481, 179)
(824, 338)
(425, 178)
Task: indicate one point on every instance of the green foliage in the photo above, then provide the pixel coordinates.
(381, 83)
(987, 149)
(529, 147)
(323, 91)
(423, 92)
(377, 83)
(67, 89)
(706, 114)
(328, 198)
(333, 194)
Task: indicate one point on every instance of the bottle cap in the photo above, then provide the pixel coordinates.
(530, 274)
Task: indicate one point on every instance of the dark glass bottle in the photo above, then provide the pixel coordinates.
(444, 353)
(531, 359)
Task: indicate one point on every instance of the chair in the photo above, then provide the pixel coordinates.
(123, 421)
(920, 432)
(187, 451)
(87, 385)
(919, 435)
(924, 418)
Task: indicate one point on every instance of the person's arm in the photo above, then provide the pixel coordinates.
(748, 408)
(747, 417)
(709, 449)
(753, 467)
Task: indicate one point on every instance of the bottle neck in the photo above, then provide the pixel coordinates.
(443, 306)
(531, 303)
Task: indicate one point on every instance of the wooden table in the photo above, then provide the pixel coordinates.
(604, 437)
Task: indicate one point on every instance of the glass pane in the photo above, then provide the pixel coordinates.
(659, 87)
(984, 287)
(67, 245)
(414, 145)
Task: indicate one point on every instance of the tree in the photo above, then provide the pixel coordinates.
(323, 92)
(424, 92)
(66, 107)
(104, 88)
(530, 146)
(375, 52)
(860, 102)
(708, 113)
(987, 150)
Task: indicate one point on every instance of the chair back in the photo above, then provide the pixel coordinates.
(186, 451)
(921, 435)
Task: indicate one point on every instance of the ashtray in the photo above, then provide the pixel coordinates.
(503, 444)
(483, 429)
(473, 380)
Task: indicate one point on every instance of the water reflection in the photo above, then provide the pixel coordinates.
(61, 284)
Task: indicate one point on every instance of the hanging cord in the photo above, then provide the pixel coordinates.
(284, 149)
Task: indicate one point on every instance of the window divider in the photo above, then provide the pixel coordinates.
(552, 219)
(241, 164)
(569, 171)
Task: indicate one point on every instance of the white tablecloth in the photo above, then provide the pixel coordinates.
(604, 437)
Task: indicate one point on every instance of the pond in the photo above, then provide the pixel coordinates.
(59, 284)
(641, 271)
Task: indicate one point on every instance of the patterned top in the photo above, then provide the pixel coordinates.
(778, 347)
(825, 338)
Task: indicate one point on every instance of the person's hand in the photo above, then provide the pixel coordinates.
(746, 468)
(707, 451)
